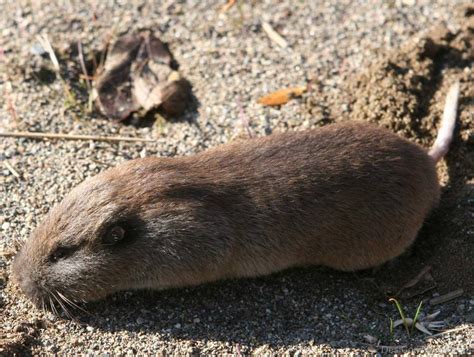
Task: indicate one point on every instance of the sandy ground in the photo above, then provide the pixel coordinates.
(389, 62)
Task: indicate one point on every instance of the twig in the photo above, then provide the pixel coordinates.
(448, 331)
(415, 280)
(101, 163)
(83, 66)
(12, 169)
(385, 347)
(228, 5)
(447, 297)
(98, 68)
(273, 35)
(31, 135)
(419, 293)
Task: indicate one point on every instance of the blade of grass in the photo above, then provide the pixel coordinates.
(44, 42)
(402, 315)
(86, 77)
(417, 314)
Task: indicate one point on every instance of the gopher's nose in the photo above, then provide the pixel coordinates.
(17, 269)
(22, 277)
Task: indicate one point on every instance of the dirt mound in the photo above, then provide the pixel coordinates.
(404, 91)
(397, 90)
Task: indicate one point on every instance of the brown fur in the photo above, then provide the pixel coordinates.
(348, 196)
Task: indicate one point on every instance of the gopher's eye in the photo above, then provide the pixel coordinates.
(60, 253)
(114, 235)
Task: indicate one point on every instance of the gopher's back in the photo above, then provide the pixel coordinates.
(348, 196)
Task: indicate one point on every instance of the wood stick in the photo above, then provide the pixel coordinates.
(12, 169)
(83, 66)
(31, 135)
(447, 297)
(385, 348)
(273, 35)
(415, 280)
(228, 5)
(448, 331)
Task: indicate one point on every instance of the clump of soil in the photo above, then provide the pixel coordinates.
(396, 91)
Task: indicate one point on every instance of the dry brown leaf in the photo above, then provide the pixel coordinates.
(139, 73)
(281, 96)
